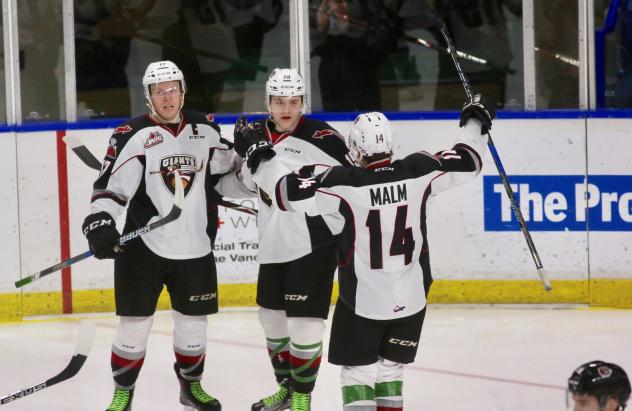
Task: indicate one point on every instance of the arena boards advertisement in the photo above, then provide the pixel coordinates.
(571, 176)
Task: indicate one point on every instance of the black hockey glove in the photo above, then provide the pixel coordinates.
(251, 143)
(480, 109)
(100, 230)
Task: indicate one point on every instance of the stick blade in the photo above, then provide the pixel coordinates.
(82, 349)
(71, 141)
(87, 330)
(82, 152)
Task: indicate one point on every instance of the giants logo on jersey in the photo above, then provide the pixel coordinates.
(154, 139)
(186, 166)
(122, 129)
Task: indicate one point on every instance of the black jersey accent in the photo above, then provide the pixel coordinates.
(319, 233)
(141, 209)
(196, 117)
(212, 198)
(347, 278)
(121, 135)
(317, 133)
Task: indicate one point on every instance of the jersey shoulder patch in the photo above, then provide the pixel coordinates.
(123, 133)
(132, 126)
(320, 130)
(326, 138)
(196, 117)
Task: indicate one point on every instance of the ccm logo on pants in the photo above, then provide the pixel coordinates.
(403, 343)
(203, 297)
(295, 297)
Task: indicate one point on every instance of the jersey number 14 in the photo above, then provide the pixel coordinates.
(401, 244)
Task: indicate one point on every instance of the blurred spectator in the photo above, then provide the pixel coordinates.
(556, 28)
(623, 88)
(202, 43)
(477, 27)
(103, 30)
(356, 53)
(251, 20)
(41, 60)
(218, 46)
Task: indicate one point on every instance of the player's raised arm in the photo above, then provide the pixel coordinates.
(464, 160)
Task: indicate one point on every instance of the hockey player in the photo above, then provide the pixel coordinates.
(297, 253)
(385, 279)
(598, 386)
(137, 175)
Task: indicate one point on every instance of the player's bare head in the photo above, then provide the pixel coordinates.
(164, 88)
(598, 386)
(285, 94)
(370, 139)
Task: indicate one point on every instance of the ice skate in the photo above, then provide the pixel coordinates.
(193, 397)
(122, 400)
(278, 401)
(301, 402)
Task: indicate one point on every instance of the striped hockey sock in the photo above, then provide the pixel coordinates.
(126, 367)
(389, 385)
(358, 398)
(190, 364)
(388, 396)
(305, 361)
(358, 382)
(279, 352)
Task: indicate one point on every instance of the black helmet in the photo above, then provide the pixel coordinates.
(602, 380)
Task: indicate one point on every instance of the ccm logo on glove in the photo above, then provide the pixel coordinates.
(96, 224)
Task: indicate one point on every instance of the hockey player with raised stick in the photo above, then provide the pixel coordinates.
(598, 386)
(138, 175)
(297, 253)
(386, 277)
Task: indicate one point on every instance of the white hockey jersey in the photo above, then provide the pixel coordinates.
(386, 272)
(138, 174)
(283, 236)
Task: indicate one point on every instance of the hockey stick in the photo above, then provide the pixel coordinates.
(501, 170)
(558, 56)
(418, 40)
(174, 213)
(91, 161)
(84, 344)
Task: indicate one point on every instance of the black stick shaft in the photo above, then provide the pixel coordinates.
(501, 170)
(173, 214)
(82, 349)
